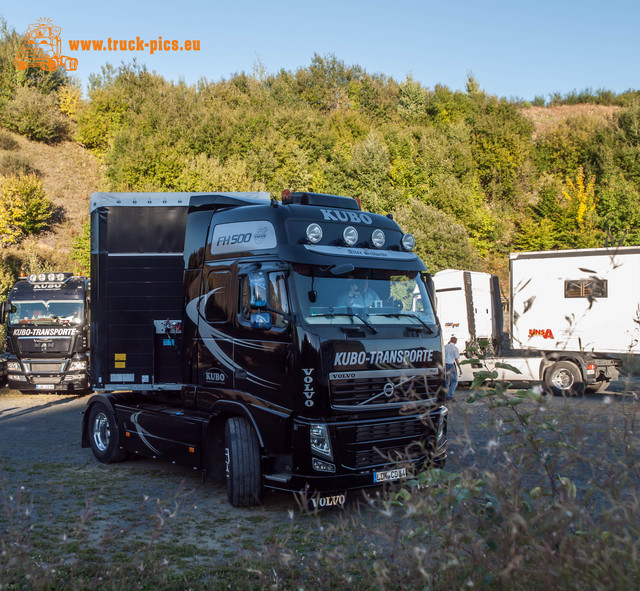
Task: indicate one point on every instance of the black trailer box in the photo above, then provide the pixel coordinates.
(137, 243)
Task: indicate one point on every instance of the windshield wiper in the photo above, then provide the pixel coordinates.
(373, 330)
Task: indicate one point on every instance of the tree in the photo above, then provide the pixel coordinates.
(24, 208)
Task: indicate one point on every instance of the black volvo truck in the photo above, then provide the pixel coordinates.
(47, 319)
(271, 341)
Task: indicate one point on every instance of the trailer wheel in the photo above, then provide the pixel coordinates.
(242, 463)
(564, 379)
(103, 434)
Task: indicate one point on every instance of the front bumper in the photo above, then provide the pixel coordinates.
(42, 383)
(364, 449)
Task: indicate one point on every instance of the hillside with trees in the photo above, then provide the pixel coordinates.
(472, 175)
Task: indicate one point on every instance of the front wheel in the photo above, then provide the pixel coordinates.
(103, 434)
(242, 463)
(563, 378)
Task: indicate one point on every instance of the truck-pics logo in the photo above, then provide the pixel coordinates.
(42, 48)
(347, 358)
(545, 333)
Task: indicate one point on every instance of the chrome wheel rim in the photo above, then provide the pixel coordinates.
(101, 431)
(563, 379)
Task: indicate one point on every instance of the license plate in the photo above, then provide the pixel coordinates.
(390, 475)
(45, 387)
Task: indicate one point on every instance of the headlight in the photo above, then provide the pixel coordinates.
(320, 442)
(13, 366)
(378, 238)
(76, 365)
(408, 242)
(314, 233)
(350, 235)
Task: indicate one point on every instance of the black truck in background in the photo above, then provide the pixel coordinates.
(269, 341)
(47, 344)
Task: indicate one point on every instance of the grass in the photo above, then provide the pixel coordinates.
(537, 501)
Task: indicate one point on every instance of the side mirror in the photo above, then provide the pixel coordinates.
(4, 308)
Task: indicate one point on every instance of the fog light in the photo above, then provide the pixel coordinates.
(314, 233)
(322, 466)
(17, 377)
(350, 235)
(320, 442)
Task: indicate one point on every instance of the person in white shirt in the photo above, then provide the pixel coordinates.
(452, 365)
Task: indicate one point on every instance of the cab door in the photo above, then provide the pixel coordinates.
(263, 350)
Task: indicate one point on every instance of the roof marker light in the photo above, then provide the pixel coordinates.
(408, 242)
(378, 238)
(314, 233)
(350, 235)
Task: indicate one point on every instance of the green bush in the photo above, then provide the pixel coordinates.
(16, 164)
(81, 249)
(24, 208)
(441, 242)
(36, 116)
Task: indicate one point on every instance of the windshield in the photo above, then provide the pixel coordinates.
(42, 312)
(364, 296)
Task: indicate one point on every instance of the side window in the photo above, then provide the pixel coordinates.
(277, 300)
(217, 292)
(585, 288)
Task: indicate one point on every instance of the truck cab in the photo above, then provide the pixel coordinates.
(295, 354)
(48, 333)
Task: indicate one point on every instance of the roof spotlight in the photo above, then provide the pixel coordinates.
(408, 242)
(378, 238)
(350, 235)
(314, 233)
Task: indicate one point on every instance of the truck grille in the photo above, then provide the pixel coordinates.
(359, 392)
(367, 445)
(44, 345)
(45, 367)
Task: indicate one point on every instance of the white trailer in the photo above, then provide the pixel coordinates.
(572, 314)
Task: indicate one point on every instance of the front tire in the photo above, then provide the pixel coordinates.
(103, 434)
(242, 463)
(563, 378)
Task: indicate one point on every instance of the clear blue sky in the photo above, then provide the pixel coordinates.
(514, 49)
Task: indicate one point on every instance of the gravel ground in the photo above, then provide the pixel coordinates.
(55, 486)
